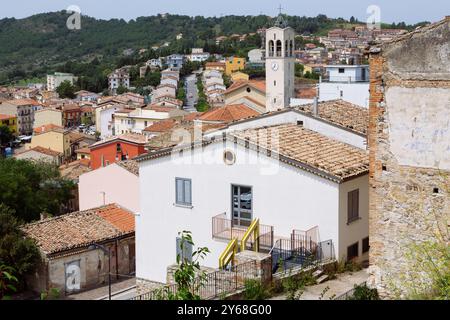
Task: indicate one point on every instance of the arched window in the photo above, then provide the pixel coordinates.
(291, 48)
(271, 48)
(279, 48)
(286, 48)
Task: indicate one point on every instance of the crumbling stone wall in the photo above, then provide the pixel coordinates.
(409, 143)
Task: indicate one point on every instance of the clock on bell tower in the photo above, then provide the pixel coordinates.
(280, 65)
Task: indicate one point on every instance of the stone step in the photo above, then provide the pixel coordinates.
(317, 273)
(322, 279)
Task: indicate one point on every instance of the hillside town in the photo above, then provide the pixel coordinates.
(320, 157)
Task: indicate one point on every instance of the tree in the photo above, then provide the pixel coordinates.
(5, 135)
(121, 90)
(66, 90)
(30, 188)
(17, 252)
(299, 68)
(188, 276)
(7, 281)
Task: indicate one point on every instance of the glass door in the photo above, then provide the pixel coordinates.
(242, 205)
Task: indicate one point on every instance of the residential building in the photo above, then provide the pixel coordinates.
(234, 64)
(219, 66)
(86, 96)
(347, 73)
(52, 137)
(9, 121)
(175, 61)
(280, 65)
(48, 116)
(409, 158)
(159, 127)
(233, 180)
(198, 55)
(115, 149)
(72, 260)
(256, 58)
(136, 120)
(106, 186)
(55, 80)
(353, 87)
(104, 120)
(24, 110)
(83, 153)
(164, 89)
(118, 78)
(41, 154)
(71, 115)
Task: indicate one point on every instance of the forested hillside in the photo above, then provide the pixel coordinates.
(39, 44)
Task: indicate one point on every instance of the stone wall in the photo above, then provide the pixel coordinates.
(409, 143)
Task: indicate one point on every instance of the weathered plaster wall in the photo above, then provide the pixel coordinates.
(409, 152)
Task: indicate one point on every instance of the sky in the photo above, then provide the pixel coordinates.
(409, 11)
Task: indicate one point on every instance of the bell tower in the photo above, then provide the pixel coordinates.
(280, 65)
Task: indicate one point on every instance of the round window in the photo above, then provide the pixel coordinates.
(249, 90)
(229, 157)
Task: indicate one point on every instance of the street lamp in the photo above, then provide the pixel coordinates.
(108, 252)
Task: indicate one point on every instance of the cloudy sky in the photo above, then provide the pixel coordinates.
(410, 11)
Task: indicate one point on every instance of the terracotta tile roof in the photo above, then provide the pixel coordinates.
(128, 137)
(73, 170)
(161, 126)
(70, 107)
(228, 113)
(342, 113)
(192, 116)
(130, 165)
(80, 229)
(23, 102)
(83, 150)
(43, 150)
(309, 148)
(6, 117)
(47, 128)
(306, 93)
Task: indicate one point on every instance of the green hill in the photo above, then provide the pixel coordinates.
(34, 46)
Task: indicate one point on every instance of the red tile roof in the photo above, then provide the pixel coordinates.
(81, 229)
(229, 113)
(256, 84)
(47, 128)
(23, 102)
(6, 117)
(161, 126)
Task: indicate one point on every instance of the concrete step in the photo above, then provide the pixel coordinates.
(322, 279)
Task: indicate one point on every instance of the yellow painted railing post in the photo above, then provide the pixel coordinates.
(253, 229)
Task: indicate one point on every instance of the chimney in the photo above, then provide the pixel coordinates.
(316, 107)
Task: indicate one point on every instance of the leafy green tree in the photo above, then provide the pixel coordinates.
(17, 252)
(5, 135)
(30, 188)
(299, 68)
(66, 90)
(7, 282)
(121, 90)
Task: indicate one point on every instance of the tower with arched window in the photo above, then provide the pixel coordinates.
(280, 65)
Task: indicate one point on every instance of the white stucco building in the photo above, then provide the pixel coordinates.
(55, 80)
(288, 176)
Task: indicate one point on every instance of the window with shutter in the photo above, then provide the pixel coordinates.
(183, 191)
(353, 206)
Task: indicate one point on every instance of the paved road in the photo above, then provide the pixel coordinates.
(191, 93)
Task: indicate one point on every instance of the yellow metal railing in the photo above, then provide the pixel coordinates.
(229, 254)
(253, 229)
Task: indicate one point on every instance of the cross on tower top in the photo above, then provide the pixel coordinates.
(280, 8)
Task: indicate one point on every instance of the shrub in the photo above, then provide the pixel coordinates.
(362, 292)
(255, 290)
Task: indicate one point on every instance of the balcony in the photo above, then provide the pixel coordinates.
(223, 229)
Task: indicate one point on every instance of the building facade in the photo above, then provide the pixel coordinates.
(409, 138)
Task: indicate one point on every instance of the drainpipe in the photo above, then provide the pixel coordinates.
(117, 259)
